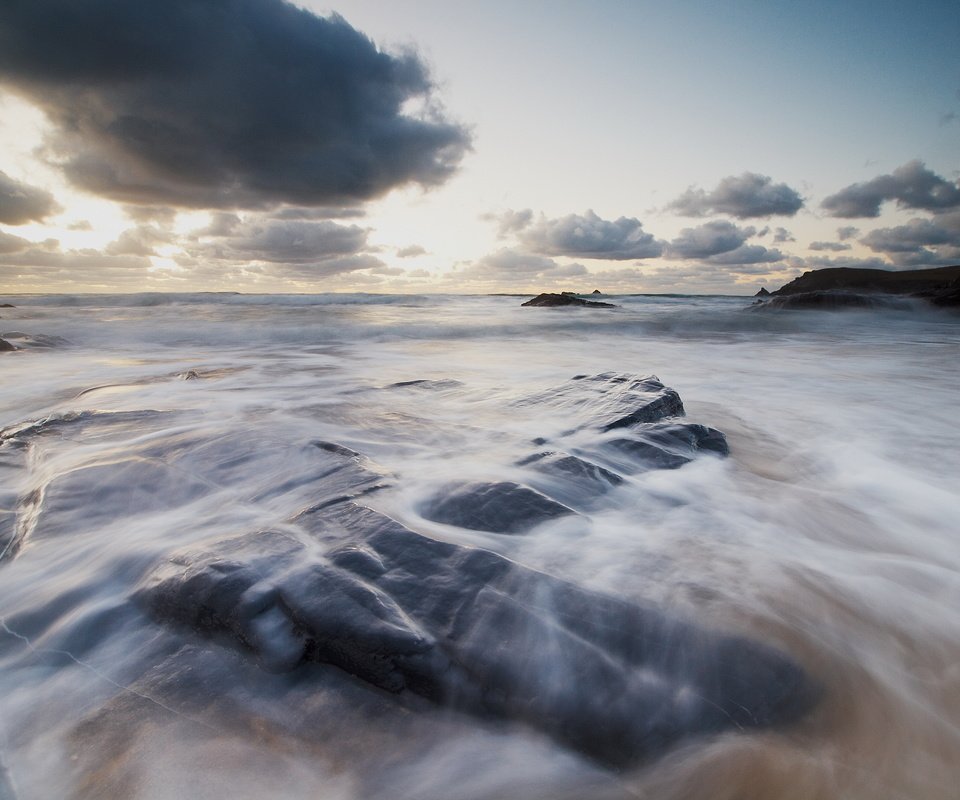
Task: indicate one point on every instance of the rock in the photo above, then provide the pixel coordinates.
(467, 629)
(665, 446)
(611, 400)
(937, 286)
(577, 475)
(596, 291)
(831, 301)
(6, 347)
(7, 305)
(763, 292)
(501, 507)
(548, 299)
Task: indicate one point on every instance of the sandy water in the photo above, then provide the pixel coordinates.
(832, 531)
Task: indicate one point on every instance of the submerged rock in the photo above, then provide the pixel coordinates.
(471, 630)
(549, 299)
(499, 507)
(611, 400)
(467, 629)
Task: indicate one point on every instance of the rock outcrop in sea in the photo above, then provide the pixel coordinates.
(843, 287)
(418, 619)
(551, 299)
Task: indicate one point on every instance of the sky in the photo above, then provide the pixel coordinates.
(419, 146)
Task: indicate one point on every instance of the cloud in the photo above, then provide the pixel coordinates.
(224, 103)
(21, 203)
(709, 239)
(588, 236)
(281, 241)
(507, 267)
(746, 196)
(911, 186)
(746, 255)
(139, 241)
(835, 247)
(411, 251)
(45, 266)
(510, 221)
(847, 232)
(920, 242)
(782, 235)
(12, 244)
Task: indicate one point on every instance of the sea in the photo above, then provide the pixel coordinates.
(831, 532)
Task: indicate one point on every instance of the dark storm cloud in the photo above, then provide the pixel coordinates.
(835, 247)
(224, 103)
(588, 236)
(20, 203)
(745, 196)
(912, 186)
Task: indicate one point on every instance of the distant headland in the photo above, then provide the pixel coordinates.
(846, 287)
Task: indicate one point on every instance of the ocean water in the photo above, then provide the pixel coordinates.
(133, 426)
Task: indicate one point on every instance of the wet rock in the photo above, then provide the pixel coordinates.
(611, 400)
(831, 301)
(33, 340)
(6, 347)
(572, 468)
(902, 282)
(552, 300)
(7, 305)
(500, 507)
(465, 628)
(580, 482)
(663, 446)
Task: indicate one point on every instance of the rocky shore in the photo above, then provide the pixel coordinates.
(843, 287)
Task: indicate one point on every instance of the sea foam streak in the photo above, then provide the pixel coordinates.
(137, 426)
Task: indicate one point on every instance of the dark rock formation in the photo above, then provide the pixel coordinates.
(468, 629)
(665, 446)
(7, 305)
(576, 473)
(6, 347)
(501, 507)
(596, 291)
(940, 286)
(611, 400)
(831, 301)
(763, 292)
(548, 299)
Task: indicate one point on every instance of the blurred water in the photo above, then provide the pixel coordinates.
(831, 531)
